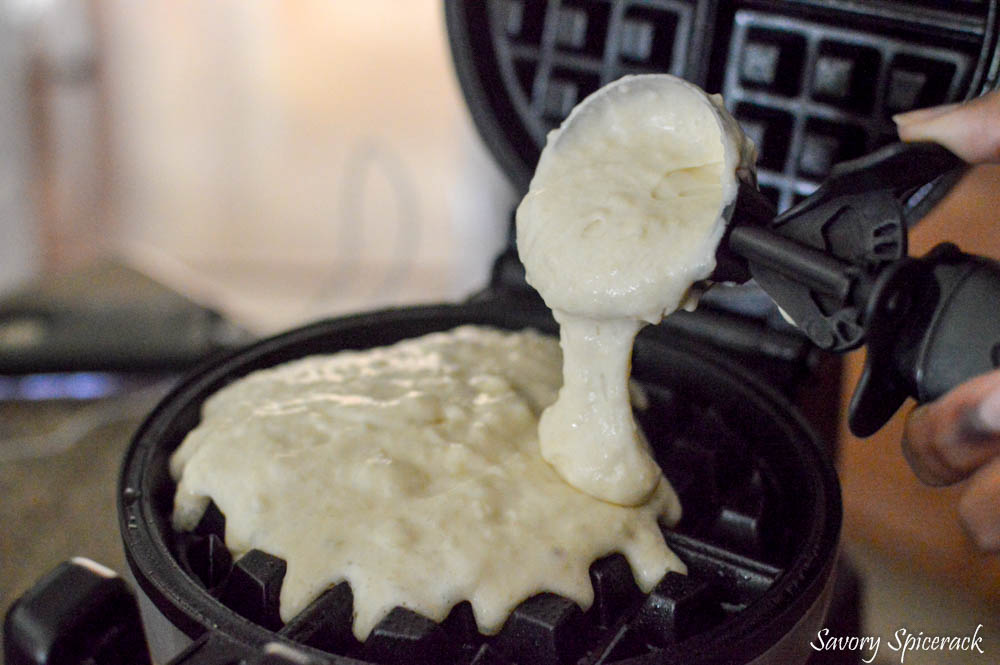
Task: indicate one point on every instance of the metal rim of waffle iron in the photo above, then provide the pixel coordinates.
(777, 574)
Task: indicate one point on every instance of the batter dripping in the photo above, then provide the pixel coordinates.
(623, 215)
(415, 472)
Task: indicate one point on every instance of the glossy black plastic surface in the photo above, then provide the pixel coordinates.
(933, 326)
(77, 613)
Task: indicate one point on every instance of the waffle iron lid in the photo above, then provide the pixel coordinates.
(813, 82)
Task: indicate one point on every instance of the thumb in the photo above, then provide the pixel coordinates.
(970, 130)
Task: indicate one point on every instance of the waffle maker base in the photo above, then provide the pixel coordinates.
(759, 535)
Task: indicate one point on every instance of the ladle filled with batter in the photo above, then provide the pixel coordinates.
(624, 214)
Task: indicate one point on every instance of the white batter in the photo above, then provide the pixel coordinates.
(623, 215)
(413, 472)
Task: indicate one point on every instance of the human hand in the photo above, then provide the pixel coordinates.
(957, 437)
(970, 129)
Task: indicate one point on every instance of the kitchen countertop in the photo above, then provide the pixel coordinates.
(59, 502)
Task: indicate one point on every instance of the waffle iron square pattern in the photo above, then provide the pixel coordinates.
(813, 82)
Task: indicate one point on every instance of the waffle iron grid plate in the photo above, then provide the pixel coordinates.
(762, 517)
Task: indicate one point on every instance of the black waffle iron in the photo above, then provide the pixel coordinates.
(814, 82)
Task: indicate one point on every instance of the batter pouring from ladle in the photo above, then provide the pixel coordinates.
(624, 214)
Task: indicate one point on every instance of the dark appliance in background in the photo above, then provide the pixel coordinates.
(106, 322)
(814, 83)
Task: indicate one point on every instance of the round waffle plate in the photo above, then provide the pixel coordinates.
(759, 536)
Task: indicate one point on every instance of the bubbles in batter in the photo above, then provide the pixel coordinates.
(413, 472)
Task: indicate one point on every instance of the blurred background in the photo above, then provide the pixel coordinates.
(245, 167)
(191, 175)
(278, 161)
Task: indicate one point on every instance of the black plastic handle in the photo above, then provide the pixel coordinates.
(818, 259)
(80, 612)
(934, 323)
(897, 169)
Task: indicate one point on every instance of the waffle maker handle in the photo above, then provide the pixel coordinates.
(837, 265)
(78, 612)
(81, 613)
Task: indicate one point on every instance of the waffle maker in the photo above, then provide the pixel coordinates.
(813, 82)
